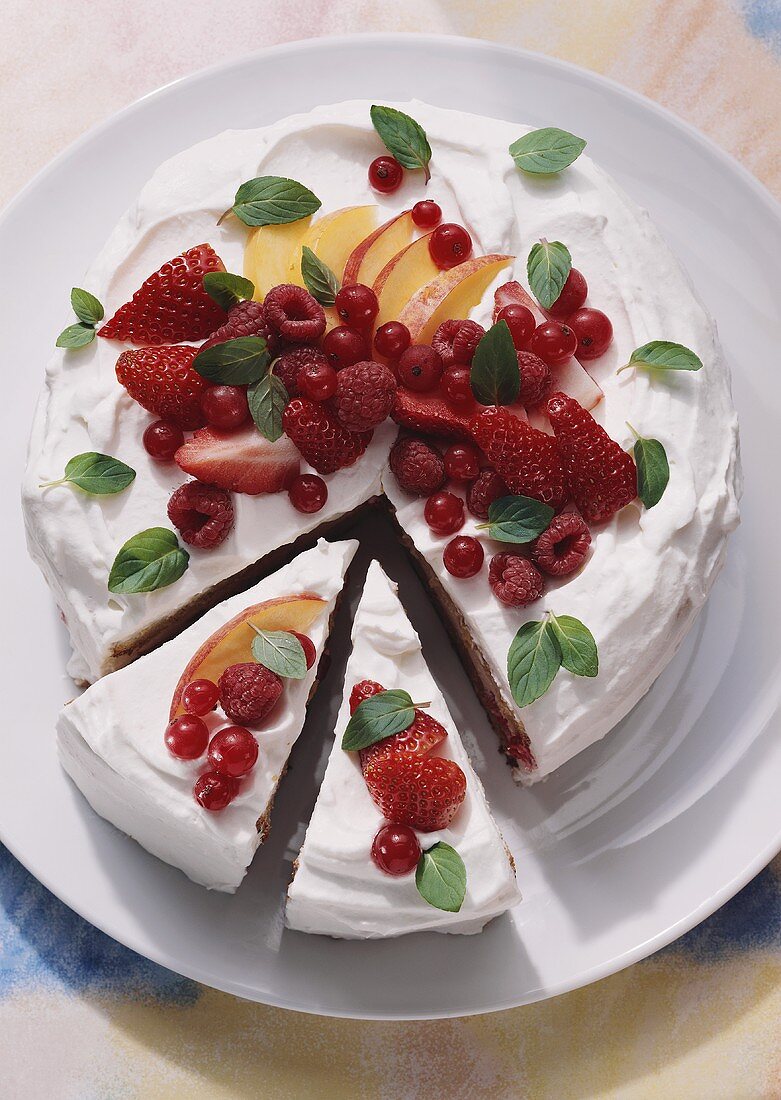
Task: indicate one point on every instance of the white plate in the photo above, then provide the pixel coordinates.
(632, 843)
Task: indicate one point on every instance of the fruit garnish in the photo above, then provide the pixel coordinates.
(418, 739)
(370, 255)
(319, 437)
(244, 319)
(401, 277)
(573, 295)
(385, 175)
(243, 461)
(89, 312)
(288, 366)
(517, 519)
(563, 546)
(225, 407)
(344, 346)
(162, 439)
(308, 493)
(453, 293)
(396, 849)
(519, 319)
(96, 474)
(200, 697)
(456, 385)
(663, 355)
(317, 381)
(462, 462)
(528, 460)
(150, 560)
(536, 379)
(540, 649)
(441, 878)
(294, 314)
(403, 137)
(420, 368)
(593, 331)
(272, 200)
(162, 380)
(484, 490)
(308, 646)
(214, 792)
(554, 342)
(423, 792)
(430, 414)
(331, 239)
(319, 280)
(268, 252)
(417, 466)
(653, 469)
(547, 267)
(391, 339)
(186, 737)
(546, 151)
(449, 245)
(364, 689)
(514, 580)
(426, 214)
(463, 557)
(357, 305)
(249, 692)
(233, 752)
(444, 513)
(202, 514)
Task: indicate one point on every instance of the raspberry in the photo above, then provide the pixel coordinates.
(562, 548)
(442, 341)
(320, 438)
(244, 319)
(248, 692)
(202, 514)
(424, 792)
(465, 342)
(535, 378)
(527, 459)
(364, 689)
(514, 580)
(364, 395)
(288, 367)
(483, 491)
(602, 476)
(294, 314)
(420, 738)
(162, 381)
(417, 466)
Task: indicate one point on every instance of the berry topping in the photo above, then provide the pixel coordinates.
(244, 460)
(520, 322)
(391, 339)
(562, 548)
(200, 696)
(457, 387)
(456, 341)
(233, 751)
(308, 646)
(162, 440)
(225, 407)
(602, 476)
(442, 340)
(171, 305)
(449, 245)
(526, 459)
(357, 305)
(463, 557)
(294, 314)
(422, 792)
(385, 174)
(514, 580)
(420, 368)
(396, 850)
(364, 689)
(417, 466)
(244, 319)
(535, 379)
(289, 365)
(308, 493)
(444, 513)
(202, 514)
(573, 295)
(317, 381)
(364, 395)
(344, 346)
(162, 381)
(420, 738)
(554, 342)
(593, 331)
(430, 414)
(248, 692)
(462, 462)
(186, 737)
(426, 214)
(214, 791)
(483, 491)
(320, 438)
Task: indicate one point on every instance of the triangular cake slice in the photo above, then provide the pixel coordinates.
(114, 739)
(339, 887)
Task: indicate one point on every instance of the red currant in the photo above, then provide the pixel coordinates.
(463, 557)
(308, 493)
(392, 339)
(444, 513)
(385, 174)
(233, 751)
(187, 737)
(214, 791)
(449, 244)
(554, 342)
(200, 696)
(426, 214)
(162, 440)
(593, 331)
(308, 646)
(462, 462)
(420, 368)
(520, 322)
(357, 305)
(396, 849)
(317, 381)
(573, 295)
(457, 387)
(225, 407)
(344, 346)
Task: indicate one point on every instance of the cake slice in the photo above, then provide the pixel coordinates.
(136, 747)
(360, 875)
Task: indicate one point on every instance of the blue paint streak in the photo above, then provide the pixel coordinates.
(763, 19)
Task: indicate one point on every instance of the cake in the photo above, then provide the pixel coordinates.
(339, 888)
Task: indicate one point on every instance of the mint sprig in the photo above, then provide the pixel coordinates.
(96, 474)
(546, 151)
(318, 278)
(540, 649)
(548, 267)
(403, 137)
(495, 376)
(441, 877)
(150, 560)
(653, 469)
(378, 717)
(237, 362)
(226, 289)
(267, 399)
(517, 519)
(663, 355)
(89, 312)
(280, 652)
(273, 200)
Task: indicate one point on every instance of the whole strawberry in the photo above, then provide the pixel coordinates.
(163, 381)
(248, 692)
(602, 476)
(526, 459)
(364, 395)
(244, 319)
(424, 792)
(320, 438)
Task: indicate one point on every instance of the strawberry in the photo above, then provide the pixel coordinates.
(602, 475)
(163, 381)
(528, 460)
(419, 739)
(171, 305)
(243, 460)
(320, 438)
(423, 792)
(513, 294)
(429, 413)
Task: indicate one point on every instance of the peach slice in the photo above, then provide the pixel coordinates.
(452, 294)
(402, 277)
(232, 643)
(370, 256)
(267, 254)
(333, 238)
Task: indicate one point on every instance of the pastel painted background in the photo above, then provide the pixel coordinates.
(82, 1018)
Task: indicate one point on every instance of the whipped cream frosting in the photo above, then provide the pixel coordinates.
(337, 889)
(110, 739)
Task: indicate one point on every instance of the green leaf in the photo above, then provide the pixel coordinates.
(579, 653)
(495, 376)
(653, 470)
(533, 660)
(86, 306)
(97, 474)
(267, 400)
(235, 362)
(441, 877)
(517, 519)
(226, 289)
(380, 716)
(545, 151)
(664, 355)
(318, 278)
(76, 336)
(280, 651)
(403, 137)
(548, 266)
(273, 200)
(149, 560)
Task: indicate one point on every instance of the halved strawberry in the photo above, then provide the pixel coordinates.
(419, 739)
(424, 792)
(162, 381)
(431, 414)
(513, 294)
(244, 460)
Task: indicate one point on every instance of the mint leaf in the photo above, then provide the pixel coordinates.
(517, 519)
(267, 400)
(533, 660)
(280, 651)
(547, 150)
(548, 266)
(663, 355)
(149, 560)
(441, 878)
(273, 200)
(380, 716)
(403, 137)
(495, 377)
(318, 278)
(96, 474)
(86, 306)
(235, 362)
(76, 336)
(653, 470)
(226, 289)
(579, 653)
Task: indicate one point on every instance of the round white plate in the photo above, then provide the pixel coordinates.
(632, 843)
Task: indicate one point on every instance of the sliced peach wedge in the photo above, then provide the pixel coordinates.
(451, 295)
(370, 255)
(232, 643)
(402, 277)
(267, 254)
(333, 238)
